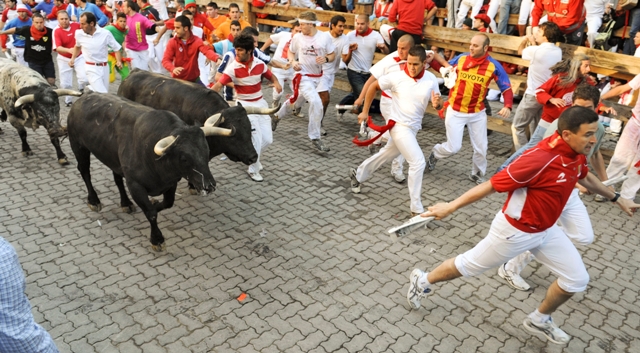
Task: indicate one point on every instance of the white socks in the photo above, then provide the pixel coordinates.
(423, 281)
(539, 318)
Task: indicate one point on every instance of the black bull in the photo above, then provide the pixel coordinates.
(194, 103)
(151, 149)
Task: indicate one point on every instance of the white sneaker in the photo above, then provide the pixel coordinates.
(416, 293)
(355, 184)
(255, 176)
(513, 279)
(549, 329)
(399, 177)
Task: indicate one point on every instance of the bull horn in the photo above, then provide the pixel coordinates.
(262, 111)
(214, 120)
(61, 92)
(218, 131)
(27, 98)
(161, 147)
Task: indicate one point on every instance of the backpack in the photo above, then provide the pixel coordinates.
(601, 41)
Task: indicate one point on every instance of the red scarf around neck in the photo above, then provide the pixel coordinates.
(119, 28)
(366, 33)
(37, 35)
(406, 71)
(470, 61)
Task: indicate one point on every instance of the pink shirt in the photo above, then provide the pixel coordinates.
(136, 38)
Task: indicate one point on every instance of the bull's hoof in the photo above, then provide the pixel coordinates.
(154, 201)
(193, 192)
(63, 161)
(129, 209)
(96, 208)
(159, 248)
(27, 153)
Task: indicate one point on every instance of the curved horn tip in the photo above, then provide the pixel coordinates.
(67, 92)
(27, 98)
(214, 120)
(161, 146)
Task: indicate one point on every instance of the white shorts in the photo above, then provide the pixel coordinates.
(326, 82)
(551, 247)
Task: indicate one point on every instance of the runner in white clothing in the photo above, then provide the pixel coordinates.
(313, 49)
(336, 30)
(95, 43)
(281, 55)
(410, 90)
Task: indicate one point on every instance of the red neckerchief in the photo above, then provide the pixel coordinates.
(246, 63)
(366, 33)
(230, 37)
(37, 35)
(406, 71)
(397, 59)
(470, 62)
(118, 27)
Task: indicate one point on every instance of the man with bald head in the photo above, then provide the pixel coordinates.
(358, 55)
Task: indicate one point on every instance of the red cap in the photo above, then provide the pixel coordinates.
(484, 18)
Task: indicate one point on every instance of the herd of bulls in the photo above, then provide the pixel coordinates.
(156, 131)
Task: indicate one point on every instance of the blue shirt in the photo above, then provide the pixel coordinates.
(18, 41)
(43, 6)
(18, 330)
(94, 9)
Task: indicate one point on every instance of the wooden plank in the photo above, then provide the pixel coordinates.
(294, 12)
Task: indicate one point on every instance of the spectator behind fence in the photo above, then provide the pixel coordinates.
(409, 15)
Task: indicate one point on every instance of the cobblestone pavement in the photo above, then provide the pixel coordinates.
(315, 261)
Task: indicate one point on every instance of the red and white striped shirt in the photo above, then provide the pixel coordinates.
(246, 78)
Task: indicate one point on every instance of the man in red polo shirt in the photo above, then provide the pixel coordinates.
(409, 14)
(64, 41)
(538, 185)
(181, 56)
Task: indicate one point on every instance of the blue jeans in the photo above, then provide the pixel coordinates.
(357, 81)
(634, 23)
(350, 6)
(537, 136)
(507, 7)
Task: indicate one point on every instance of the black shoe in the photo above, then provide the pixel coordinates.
(431, 162)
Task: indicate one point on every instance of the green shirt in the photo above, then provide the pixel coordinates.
(117, 34)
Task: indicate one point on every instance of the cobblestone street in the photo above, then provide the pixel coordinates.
(315, 261)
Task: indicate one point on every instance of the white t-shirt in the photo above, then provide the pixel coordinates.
(308, 48)
(95, 48)
(409, 97)
(385, 66)
(362, 58)
(333, 67)
(283, 40)
(541, 58)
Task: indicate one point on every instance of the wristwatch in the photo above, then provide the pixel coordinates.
(615, 198)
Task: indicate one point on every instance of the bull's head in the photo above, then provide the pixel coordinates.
(44, 107)
(239, 147)
(188, 153)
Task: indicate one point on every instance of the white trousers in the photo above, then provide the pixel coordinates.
(526, 6)
(261, 134)
(98, 77)
(20, 56)
(625, 156)
(593, 25)
(402, 141)
(66, 73)
(156, 52)
(494, 6)
(282, 76)
(308, 91)
(463, 10)
(204, 69)
(387, 113)
(139, 59)
(551, 247)
(477, 125)
(574, 221)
